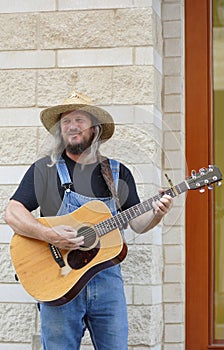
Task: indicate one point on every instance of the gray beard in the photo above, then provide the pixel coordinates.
(76, 149)
(80, 147)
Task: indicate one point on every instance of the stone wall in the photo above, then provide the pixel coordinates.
(175, 166)
(114, 52)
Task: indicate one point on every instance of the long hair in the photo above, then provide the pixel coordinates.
(59, 146)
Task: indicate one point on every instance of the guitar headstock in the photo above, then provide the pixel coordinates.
(205, 177)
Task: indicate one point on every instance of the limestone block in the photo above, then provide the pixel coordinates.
(172, 29)
(172, 47)
(45, 142)
(143, 265)
(157, 34)
(27, 59)
(129, 85)
(172, 121)
(122, 27)
(173, 346)
(175, 217)
(20, 145)
(55, 85)
(144, 55)
(174, 313)
(173, 85)
(17, 31)
(129, 294)
(133, 144)
(173, 236)
(147, 173)
(145, 325)
(174, 333)
(174, 274)
(17, 88)
(133, 27)
(173, 254)
(27, 6)
(86, 338)
(172, 140)
(147, 295)
(95, 57)
(93, 4)
(5, 193)
(134, 85)
(20, 117)
(7, 273)
(174, 159)
(142, 3)
(77, 29)
(171, 12)
(19, 322)
(153, 237)
(145, 192)
(172, 65)
(173, 292)
(36, 342)
(157, 89)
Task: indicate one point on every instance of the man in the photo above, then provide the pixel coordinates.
(69, 177)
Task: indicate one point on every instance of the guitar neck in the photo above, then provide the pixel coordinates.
(123, 218)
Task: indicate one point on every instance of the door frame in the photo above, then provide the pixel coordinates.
(199, 153)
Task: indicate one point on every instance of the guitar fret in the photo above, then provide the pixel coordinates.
(126, 217)
(147, 205)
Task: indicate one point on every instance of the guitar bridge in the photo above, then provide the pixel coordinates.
(57, 255)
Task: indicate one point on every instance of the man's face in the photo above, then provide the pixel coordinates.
(77, 131)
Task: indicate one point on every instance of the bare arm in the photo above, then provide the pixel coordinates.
(22, 222)
(147, 221)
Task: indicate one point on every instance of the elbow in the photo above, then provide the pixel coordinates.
(11, 208)
(7, 215)
(137, 228)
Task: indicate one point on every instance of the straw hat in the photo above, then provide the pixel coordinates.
(76, 101)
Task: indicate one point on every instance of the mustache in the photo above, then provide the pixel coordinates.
(74, 132)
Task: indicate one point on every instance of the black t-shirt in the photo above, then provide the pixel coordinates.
(41, 186)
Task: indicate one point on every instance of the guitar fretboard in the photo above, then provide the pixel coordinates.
(122, 219)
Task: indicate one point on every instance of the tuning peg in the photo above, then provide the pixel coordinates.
(202, 190)
(193, 174)
(219, 183)
(210, 187)
(210, 168)
(202, 171)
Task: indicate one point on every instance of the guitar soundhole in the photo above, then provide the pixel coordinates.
(81, 257)
(90, 237)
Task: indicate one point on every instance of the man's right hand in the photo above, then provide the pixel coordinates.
(65, 237)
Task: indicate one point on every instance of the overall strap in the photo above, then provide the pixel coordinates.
(115, 169)
(110, 172)
(63, 173)
(65, 182)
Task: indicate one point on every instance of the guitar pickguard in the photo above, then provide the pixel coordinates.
(79, 258)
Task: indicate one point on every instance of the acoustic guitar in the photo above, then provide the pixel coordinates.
(57, 276)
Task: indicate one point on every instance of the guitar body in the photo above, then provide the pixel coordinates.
(43, 278)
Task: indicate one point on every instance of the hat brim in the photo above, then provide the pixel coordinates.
(50, 116)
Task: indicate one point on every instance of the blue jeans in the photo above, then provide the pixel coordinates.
(100, 307)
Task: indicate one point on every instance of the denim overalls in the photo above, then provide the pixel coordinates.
(100, 306)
